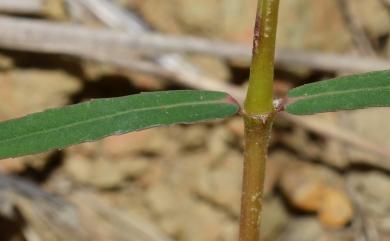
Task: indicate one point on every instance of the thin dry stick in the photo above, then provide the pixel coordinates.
(22, 6)
(113, 16)
(118, 225)
(30, 234)
(330, 62)
(47, 37)
(366, 229)
(48, 215)
(333, 131)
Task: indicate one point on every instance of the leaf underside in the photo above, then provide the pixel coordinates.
(344, 93)
(93, 120)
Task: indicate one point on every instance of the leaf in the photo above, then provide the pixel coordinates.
(89, 121)
(344, 93)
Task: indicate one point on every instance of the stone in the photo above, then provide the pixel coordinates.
(134, 168)
(122, 145)
(6, 62)
(194, 137)
(236, 126)
(20, 164)
(211, 18)
(313, 188)
(371, 188)
(315, 146)
(378, 24)
(214, 67)
(78, 168)
(336, 210)
(274, 169)
(372, 126)
(43, 90)
(208, 224)
(303, 229)
(321, 28)
(362, 122)
(222, 185)
(274, 218)
(217, 141)
(160, 198)
(103, 173)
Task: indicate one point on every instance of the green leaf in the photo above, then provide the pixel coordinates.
(344, 93)
(89, 121)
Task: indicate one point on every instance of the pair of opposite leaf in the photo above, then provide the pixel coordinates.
(93, 120)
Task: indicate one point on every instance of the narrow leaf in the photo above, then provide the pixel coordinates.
(89, 121)
(344, 93)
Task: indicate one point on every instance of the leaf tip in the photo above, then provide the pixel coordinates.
(230, 100)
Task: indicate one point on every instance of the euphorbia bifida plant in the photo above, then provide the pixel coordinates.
(90, 121)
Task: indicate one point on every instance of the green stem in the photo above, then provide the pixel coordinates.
(260, 90)
(259, 114)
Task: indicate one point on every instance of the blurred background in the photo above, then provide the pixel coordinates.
(328, 176)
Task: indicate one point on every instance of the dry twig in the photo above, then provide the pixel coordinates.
(22, 6)
(51, 218)
(114, 224)
(47, 37)
(333, 131)
(366, 230)
(113, 16)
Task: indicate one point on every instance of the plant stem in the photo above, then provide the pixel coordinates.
(259, 114)
(259, 96)
(257, 135)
